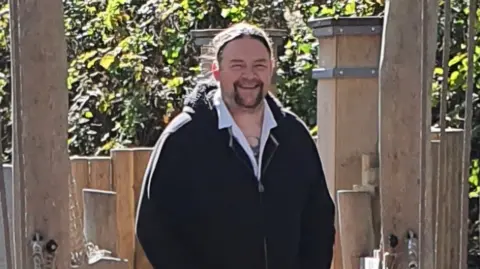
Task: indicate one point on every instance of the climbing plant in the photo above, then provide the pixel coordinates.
(132, 61)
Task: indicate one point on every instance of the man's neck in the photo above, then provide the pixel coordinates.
(247, 118)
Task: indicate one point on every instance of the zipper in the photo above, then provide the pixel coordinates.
(261, 189)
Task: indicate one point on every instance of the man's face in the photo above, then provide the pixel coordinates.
(246, 71)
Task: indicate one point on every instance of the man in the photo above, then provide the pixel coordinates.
(235, 181)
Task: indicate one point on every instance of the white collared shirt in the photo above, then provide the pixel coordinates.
(225, 120)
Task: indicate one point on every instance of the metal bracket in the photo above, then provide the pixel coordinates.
(347, 31)
(345, 72)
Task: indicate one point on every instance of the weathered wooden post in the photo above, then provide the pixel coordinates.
(40, 107)
(347, 94)
(406, 67)
(203, 38)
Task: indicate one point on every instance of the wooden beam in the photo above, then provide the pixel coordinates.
(40, 107)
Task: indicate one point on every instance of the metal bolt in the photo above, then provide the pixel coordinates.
(393, 240)
(51, 246)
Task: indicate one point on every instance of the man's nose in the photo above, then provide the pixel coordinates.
(249, 73)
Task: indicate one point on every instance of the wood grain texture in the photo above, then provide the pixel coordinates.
(41, 163)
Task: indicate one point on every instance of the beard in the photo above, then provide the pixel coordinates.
(256, 86)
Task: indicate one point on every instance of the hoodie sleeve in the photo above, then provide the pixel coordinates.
(155, 228)
(318, 218)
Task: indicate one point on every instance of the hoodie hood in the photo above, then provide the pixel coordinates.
(200, 100)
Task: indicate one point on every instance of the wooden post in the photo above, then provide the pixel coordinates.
(100, 218)
(404, 127)
(204, 37)
(40, 106)
(449, 200)
(356, 226)
(347, 94)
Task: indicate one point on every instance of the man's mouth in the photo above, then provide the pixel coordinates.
(249, 87)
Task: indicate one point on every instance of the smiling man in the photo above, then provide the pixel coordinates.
(235, 181)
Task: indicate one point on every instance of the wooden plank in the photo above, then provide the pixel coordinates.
(80, 177)
(100, 218)
(371, 181)
(435, 151)
(427, 186)
(356, 226)
(7, 178)
(124, 181)
(448, 202)
(400, 129)
(6, 251)
(100, 173)
(141, 158)
(454, 170)
(42, 167)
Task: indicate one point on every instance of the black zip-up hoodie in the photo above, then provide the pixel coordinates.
(202, 207)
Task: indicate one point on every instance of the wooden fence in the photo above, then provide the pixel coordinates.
(108, 189)
(121, 174)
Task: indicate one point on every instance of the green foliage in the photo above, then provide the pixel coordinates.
(132, 61)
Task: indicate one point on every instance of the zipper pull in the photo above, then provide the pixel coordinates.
(261, 188)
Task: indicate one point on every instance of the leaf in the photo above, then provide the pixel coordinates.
(107, 61)
(225, 12)
(88, 115)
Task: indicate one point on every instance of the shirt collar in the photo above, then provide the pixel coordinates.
(225, 119)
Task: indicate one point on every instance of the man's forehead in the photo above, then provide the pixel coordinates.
(240, 50)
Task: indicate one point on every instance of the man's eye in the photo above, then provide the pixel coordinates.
(260, 66)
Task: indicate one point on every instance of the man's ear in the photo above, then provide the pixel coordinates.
(215, 71)
(274, 66)
(274, 63)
